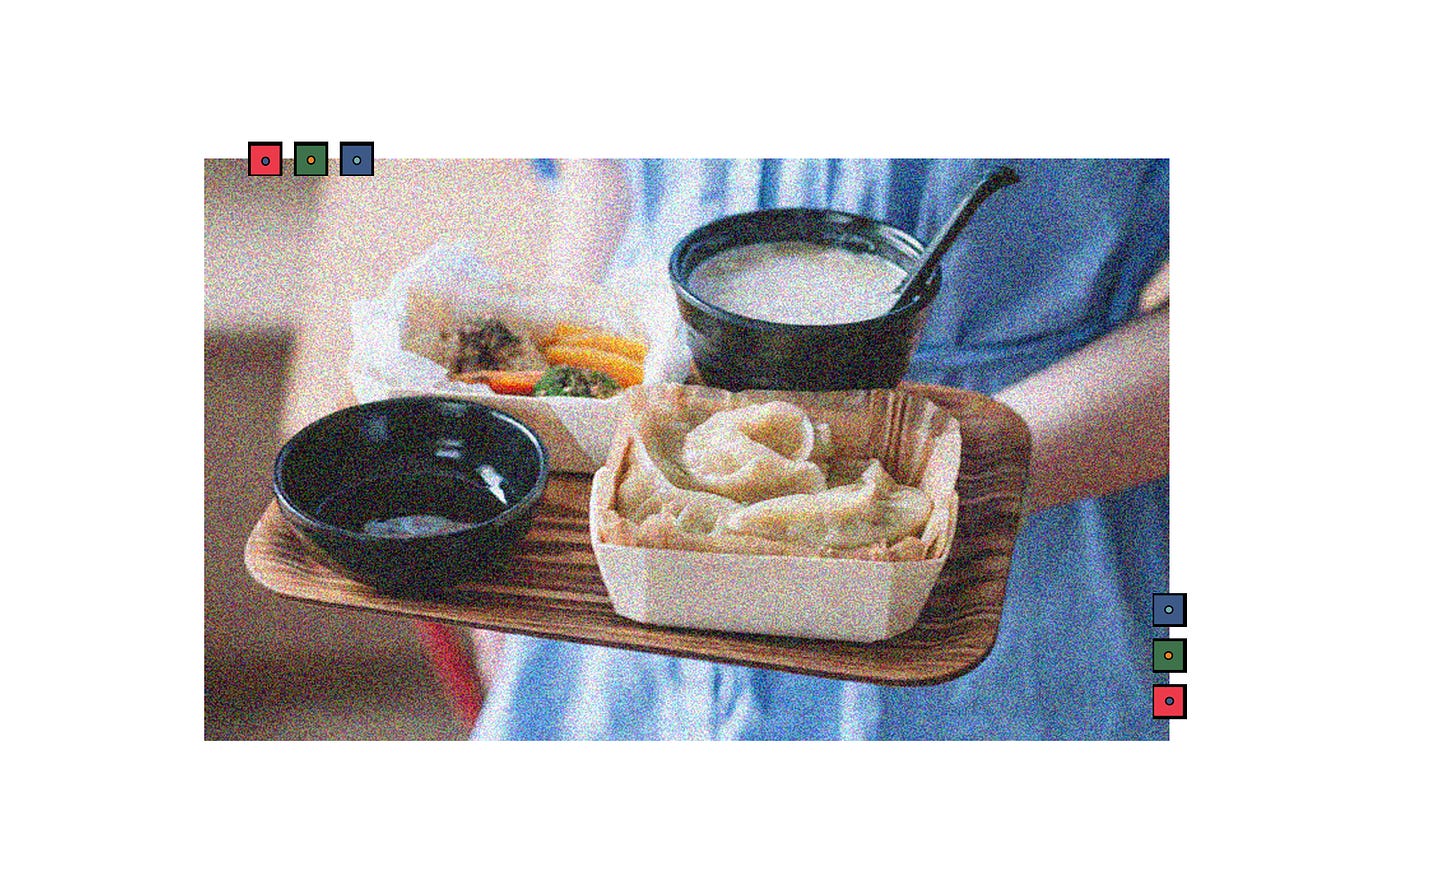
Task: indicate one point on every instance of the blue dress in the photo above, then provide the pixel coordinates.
(1045, 267)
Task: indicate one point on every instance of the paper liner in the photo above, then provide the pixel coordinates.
(834, 598)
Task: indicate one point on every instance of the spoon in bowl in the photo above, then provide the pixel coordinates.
(990, 183)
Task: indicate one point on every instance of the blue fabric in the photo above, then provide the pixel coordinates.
(1046, 266)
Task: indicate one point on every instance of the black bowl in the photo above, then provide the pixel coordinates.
(413, 494)
(735, 352)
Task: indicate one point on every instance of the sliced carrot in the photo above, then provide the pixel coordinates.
(515, 382)
(622, 346)
(619, 367)
(503, 382)
(562, 331)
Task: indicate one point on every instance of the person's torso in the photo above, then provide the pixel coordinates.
(1046, 266)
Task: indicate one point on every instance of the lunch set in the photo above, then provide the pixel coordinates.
(520, 461)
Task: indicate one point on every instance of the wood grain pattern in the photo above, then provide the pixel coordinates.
(554, 591)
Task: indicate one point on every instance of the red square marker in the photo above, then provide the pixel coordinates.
(1170, 702)
(265, 159)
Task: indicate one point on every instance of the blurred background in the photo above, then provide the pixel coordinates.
(284, 258)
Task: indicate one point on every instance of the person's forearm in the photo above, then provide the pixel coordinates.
(1099, 417)
(589, 208)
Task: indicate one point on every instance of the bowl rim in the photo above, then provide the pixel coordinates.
(680, 282)
(510, 514)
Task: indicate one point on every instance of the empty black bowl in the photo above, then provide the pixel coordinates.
(413, 493)
(736, 352)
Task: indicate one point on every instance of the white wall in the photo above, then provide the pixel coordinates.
(259, 239)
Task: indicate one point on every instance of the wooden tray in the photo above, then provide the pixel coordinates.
(554, 590)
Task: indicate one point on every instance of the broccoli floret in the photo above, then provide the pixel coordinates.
(576, 382)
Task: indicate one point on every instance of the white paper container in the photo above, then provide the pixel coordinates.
(836, 599)
(577, 432)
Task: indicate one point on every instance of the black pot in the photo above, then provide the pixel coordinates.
(398, 492)
(735, 352)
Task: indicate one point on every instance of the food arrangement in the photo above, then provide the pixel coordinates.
(761, 479)
(508, 356)
(820, 515)
(555, 357)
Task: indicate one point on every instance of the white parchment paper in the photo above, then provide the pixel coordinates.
(577, 431)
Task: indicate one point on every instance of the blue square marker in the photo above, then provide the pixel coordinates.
(356, 158)
(1170, 609)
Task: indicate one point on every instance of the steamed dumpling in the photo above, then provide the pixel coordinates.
(754, 453)
(758, 479)
(651, 486)
(876, 510)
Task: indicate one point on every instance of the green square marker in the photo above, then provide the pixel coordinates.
(311, 159)
(1170, 654)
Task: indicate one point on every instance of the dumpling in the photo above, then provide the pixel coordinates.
(876, 510)
(759, 479)
(696, 474)
(753, 453)
(776, 425)
(651, 487)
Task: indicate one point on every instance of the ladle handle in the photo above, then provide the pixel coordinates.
(990, 184)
